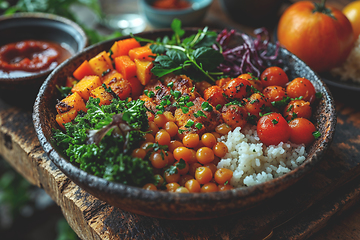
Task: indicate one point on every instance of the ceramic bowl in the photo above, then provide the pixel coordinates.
(255, 13)
(38, 26)
(163, 18)
(175, 205)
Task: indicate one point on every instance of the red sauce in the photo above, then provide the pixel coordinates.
(28, 57)
(171, 4)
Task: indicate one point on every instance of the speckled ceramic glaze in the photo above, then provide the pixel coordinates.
(37, 26)
(176, 205)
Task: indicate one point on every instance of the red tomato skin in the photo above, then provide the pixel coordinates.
(274, 76)
(238, 88)
(301, 131)
(301, 87)
(321, 41)
(300, 107)
(274, 93)
(273, 129)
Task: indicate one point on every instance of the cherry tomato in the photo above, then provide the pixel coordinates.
(214, 95)
(297, 108)
(257, 103)
(273, 129)
(301, 87)
(274, 93)
(352, 12)
(237, 88)
(301, 131)
(321, 36)
(274, 76)
(254, 81)
(234, 116)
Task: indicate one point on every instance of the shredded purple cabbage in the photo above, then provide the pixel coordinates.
(250, 57)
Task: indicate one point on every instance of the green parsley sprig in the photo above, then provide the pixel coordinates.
(192, 56)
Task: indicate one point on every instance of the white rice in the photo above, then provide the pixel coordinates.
(350, 70)
(252, 162)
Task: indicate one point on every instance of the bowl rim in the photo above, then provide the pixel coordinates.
(122, 190)
(45, 16)
(193, 8)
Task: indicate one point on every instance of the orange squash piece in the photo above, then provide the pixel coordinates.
(73, 101)
(66, 117)
(86, 85)
(142, 53)
(83, 70)
(110, 77)
(136, 87)
(122, 47)
(121, 88)
(125, 66)
(101, 63)
(102, 94)
(143, 71)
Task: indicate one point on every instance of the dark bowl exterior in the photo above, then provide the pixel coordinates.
(175, 205)
(38, 26)
(243, 11)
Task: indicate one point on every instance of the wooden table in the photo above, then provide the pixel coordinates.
(317, 202)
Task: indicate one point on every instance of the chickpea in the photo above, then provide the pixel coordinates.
(170, 178)
(191, 140)
(171, 187)
(171, 128)
(160, 120)
(150, 186)
(138, 153)
(208, 139)
(220, 149)
(153, 128)
(222, 129)
(158, 159)
(149, 137)
(209, 187)
(174, 144)
(193, 185)
(205, 155)
(162, 137)
(182, 190)
(182, 153)
(203, 175)
(223, 175)
(225, 187)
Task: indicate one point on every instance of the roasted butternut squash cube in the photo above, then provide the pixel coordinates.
(121, 88)
(110, 77)
(142, 53)
(101, 63)
(86, 85)
(73, 101)
(122, 47)
(66, 117)
(125, 66)
(136, 87)
(104, 96)
(143, 70)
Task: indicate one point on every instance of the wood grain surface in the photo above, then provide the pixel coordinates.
(316, 207)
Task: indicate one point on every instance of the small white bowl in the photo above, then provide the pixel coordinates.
(159, 18)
